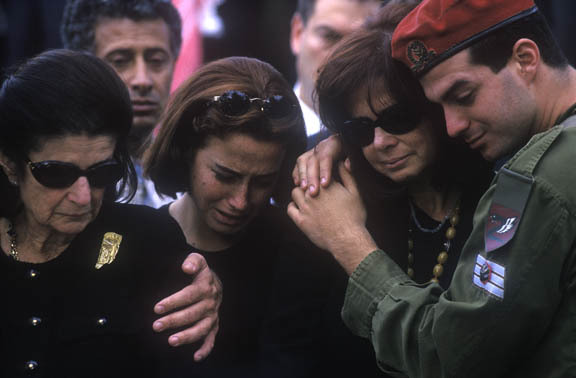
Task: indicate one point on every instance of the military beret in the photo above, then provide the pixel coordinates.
(437, 29)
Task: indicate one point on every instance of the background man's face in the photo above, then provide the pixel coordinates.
(311, 43)
(141, 55)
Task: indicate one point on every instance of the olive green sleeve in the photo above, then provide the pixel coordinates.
(466, 331)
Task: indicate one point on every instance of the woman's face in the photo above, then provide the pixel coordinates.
(232, 178)
(400, 157)
(68, 210)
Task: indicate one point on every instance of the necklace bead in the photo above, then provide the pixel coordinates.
(442, 257)
(450, 234)
(438, 270)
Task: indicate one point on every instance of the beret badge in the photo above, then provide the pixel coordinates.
(419, 55)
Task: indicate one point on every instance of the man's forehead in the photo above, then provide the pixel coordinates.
(125, 33)
(448, 75)
(343, 13)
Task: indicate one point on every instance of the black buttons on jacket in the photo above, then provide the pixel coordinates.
(31, 365)
(33, 273)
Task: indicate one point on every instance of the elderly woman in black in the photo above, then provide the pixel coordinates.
(80, 273)
(229, 138)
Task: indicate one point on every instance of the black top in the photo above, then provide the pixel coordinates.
(427, 246)
(246, 271)
(65, 318)
(304, 333)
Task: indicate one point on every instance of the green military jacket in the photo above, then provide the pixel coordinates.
(511, 308)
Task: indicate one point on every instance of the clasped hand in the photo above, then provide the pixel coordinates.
(334, 219)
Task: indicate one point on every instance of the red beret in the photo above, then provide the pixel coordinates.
(437, 29)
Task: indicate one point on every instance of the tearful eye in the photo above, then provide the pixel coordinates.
(224, 178)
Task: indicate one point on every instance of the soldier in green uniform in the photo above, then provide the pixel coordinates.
(506, 90)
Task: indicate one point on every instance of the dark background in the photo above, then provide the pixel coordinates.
(257, 28)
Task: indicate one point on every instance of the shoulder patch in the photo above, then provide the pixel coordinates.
(508, 203)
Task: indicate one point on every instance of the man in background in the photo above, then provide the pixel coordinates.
(317, 25)
(141, 41)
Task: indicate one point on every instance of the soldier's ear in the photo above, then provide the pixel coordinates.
(526, 58)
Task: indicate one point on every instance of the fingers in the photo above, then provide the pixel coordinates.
(313, 175)
(299, 175)
(298, 196)
(205, 284)
(194, 263)
(207, 345)
(347, 179)
(293, 213)
(328, 151)
(187, 315)
(203, 325)
(348, 165)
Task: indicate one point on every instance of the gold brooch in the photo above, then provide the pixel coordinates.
(109, 249)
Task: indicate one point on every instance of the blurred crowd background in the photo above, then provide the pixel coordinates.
(256, 28)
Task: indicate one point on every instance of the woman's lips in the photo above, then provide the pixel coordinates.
(229, 219)
(394, 162)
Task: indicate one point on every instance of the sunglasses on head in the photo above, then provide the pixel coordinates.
(236, 103)
(58, 174)
(396, 119)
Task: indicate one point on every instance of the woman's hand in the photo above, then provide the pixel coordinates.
(335, 220)
(196, 306)
(314, 167)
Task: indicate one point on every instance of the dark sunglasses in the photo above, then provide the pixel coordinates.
(58, 174)
(396, 119)
(236, 103)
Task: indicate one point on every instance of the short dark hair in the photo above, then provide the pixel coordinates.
(495, 49)
(188, 121)
(305, 8)
(60, 93)
(80, 18)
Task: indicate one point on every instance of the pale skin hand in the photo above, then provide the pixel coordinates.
(196, 305)
(335, 220)
(314, 167)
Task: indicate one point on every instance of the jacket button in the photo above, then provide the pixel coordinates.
(31, 365)
(33, 273)
(102, 321)
(35, 321)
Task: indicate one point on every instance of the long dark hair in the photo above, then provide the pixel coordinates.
(60, 93)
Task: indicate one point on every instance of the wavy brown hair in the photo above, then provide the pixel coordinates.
(188, 122)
